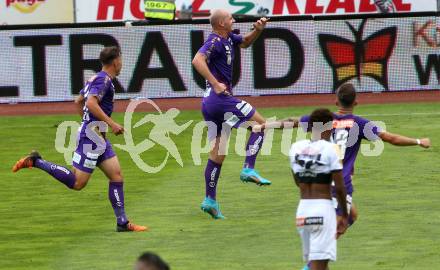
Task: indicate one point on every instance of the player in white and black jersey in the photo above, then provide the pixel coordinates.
(315, 163)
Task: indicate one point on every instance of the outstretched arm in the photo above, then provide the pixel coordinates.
(199, 63)
(400, 140)
(284, 123)
(250, 37)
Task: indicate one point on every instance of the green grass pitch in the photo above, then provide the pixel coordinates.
(46, 226)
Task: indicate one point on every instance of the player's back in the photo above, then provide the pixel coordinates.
(313, 163)
(348, 132)
(102, 88)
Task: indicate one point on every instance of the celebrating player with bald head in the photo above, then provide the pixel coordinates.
(214, 61)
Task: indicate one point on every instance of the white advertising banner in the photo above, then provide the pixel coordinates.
(395, 54)
(290, 57)
(309, 7)
(54, 63)
(111, 10)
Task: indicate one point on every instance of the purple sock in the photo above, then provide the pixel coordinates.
(60, 173)
(212, 173)
(116, 197)
(252, 148)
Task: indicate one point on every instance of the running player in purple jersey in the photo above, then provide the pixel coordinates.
(214, 61)
(348, 132)
(93, 150)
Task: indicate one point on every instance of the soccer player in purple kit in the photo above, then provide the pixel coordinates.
(343, 125)
(348, 132)
(214, 61)
(93, 149)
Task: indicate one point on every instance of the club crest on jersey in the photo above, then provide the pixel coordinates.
(359, 58)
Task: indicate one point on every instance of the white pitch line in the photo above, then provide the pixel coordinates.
(401, 114)
(363, 115)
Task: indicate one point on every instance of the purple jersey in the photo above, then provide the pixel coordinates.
(348, 132)
(220, 53)
(102, 87)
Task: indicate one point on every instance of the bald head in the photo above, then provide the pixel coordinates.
(218, 16)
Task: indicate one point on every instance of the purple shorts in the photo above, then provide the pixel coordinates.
(338, 207)
(228, 111)
(88, 155)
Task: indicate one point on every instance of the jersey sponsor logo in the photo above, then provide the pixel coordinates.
(24, 6)
(231, 121)
(253, 149)
(305, 221)
(118, 200)
(54, 167)
(359, 58)
(308, 162)
(347, 123)
(76, 158)
(91, 164)
(212, 179)
(92, 155)
(66, 171)
(244, 107)
(314, 221)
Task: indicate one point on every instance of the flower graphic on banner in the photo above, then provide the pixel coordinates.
(28, 6)
(362, 57)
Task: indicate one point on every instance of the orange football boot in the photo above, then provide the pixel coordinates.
(26, 162)
(131, 227)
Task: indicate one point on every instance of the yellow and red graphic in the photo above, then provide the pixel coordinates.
(361, 57)
(24, 6)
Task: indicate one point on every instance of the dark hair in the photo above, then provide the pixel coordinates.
(321, 115)
(346, 95)
(153, 260)
(108, 54)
